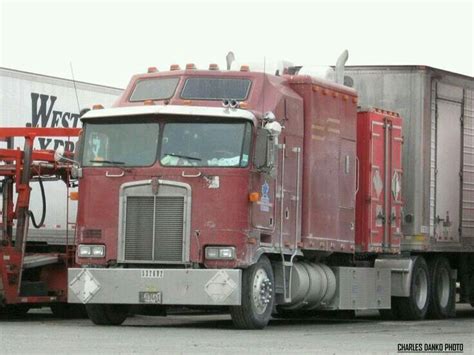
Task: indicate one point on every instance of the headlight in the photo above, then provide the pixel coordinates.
(220, 253)
(91, 251)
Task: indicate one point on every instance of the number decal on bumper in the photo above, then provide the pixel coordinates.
(152, 274)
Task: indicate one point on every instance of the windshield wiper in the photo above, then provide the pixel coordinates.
(107, 162)
(183, 156)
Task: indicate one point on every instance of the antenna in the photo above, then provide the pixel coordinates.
(263, 85)
(75, 88)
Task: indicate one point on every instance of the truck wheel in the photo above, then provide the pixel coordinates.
(415, 306)
(68, 311)
(257, 296)
(107, 314)
(443, 288)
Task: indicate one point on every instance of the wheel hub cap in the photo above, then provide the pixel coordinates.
(262, 291)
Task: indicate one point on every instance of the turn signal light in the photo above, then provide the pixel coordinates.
(254, 196)
(97, 107)
(74, 196)
(149, 102)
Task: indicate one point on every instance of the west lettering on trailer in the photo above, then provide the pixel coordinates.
(44, 115)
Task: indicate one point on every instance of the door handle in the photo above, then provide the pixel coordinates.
(114, 175)
(183, 174)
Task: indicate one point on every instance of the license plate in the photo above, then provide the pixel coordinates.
(150, 297)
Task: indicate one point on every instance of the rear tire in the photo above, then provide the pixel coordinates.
(257, 297)
(415, 306)
(443, 290)
(107, 314)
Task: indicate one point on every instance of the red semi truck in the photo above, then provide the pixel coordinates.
(254, 193)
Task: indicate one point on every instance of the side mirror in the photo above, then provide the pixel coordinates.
(76, 170)
(273, 128)
(264, 159)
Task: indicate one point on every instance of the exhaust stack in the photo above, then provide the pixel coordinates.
(341, 61)
(229, 58)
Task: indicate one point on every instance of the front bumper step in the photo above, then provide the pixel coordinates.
(216, 287)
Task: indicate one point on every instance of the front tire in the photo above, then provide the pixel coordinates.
(107, 314)
(257, 296)
(415, 306)
(443, 290)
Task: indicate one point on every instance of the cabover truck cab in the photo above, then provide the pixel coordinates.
(238, 190)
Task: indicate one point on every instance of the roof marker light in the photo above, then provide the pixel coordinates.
(213, 66)
(244, 68)
(174, 67)
(190, 66)
(152, 70)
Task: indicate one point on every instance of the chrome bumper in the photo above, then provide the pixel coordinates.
(216, 287)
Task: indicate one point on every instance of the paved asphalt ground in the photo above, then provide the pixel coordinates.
(40, 333)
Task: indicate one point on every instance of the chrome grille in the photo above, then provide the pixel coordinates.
(154, 228)
(139, 228)
(169, 228)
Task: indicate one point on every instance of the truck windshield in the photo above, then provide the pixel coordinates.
(206, 144)
(197, 143)
(120, 144)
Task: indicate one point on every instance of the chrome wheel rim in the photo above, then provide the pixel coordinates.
(261, 291)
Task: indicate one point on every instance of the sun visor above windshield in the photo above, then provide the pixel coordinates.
(218, 112)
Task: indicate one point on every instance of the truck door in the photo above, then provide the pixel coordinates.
(448, 162)
(279, 206)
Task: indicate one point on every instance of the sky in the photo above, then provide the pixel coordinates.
(109, 41)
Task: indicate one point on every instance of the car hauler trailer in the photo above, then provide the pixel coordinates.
(32, 274)
(251, 192)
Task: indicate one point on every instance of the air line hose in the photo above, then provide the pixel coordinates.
(43, 216)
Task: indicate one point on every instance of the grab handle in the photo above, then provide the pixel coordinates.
(357, 175)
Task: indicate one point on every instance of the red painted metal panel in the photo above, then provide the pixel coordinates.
(329, 174)
(379, 199)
